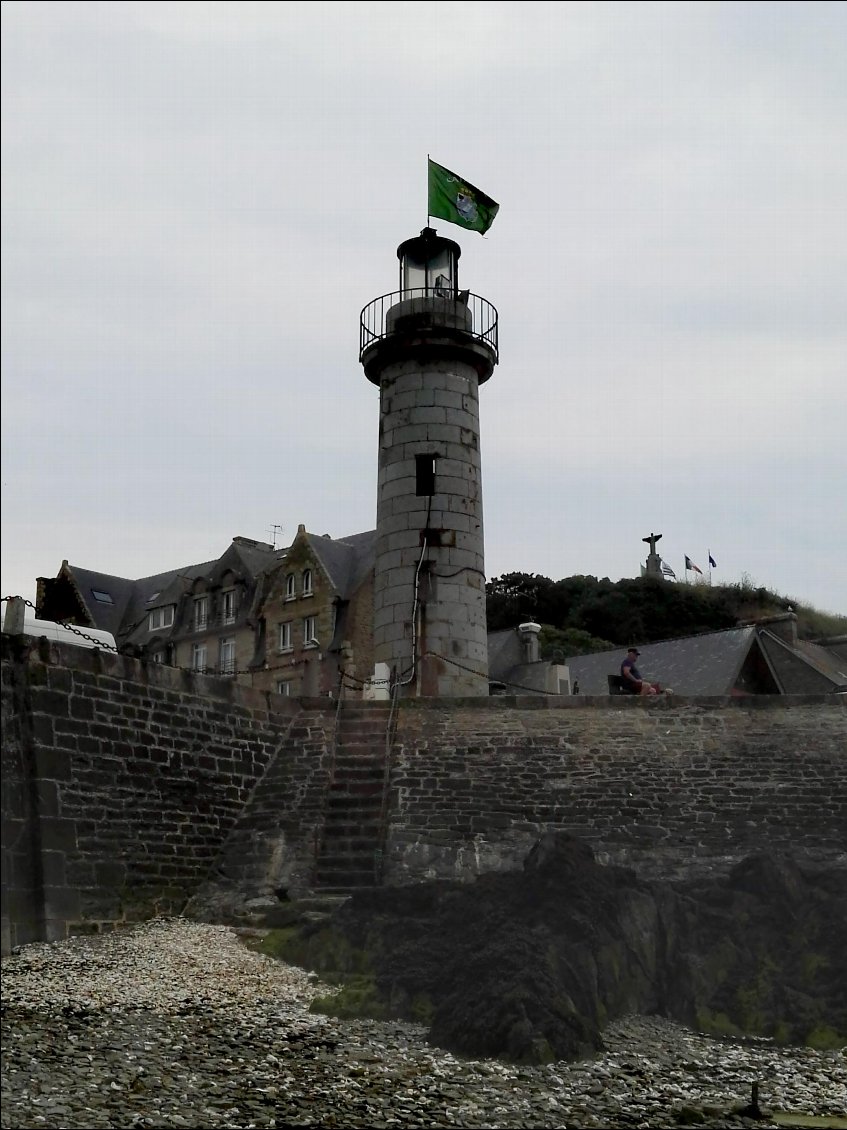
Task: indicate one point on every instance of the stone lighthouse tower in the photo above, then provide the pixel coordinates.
(428, 347)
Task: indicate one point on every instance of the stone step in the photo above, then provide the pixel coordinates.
(344, 760)
(344, 892)
(365, 753)
(363, 825)
(345, 859)
(349, 845)
(356, 787)
(361, 771)
(338, 879)
(343, 800)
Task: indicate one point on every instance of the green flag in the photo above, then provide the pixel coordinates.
(458, 201)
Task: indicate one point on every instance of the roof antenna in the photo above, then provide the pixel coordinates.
(273, 532)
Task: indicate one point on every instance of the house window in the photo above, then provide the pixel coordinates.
(160, 657)
(228, 606)
(227, 660)
(309, 632)
(290, 590)
(284, 687)
(307, 582)
(198, 658)
(285, 636)
(102, 597)
(161, 617)
(200, 617)
(425, 474)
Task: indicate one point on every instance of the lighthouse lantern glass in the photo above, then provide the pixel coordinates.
(435, 270)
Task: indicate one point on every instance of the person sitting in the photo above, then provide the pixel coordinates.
(631, 678)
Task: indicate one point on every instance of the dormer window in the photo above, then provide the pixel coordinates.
(290, 587)
(161, 617)
(307, 582)
(200, 613)
(228, 606)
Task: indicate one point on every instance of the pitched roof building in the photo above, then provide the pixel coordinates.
(198, 616)
(314, 616)
(760, 657)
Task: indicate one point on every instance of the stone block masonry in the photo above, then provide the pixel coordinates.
(122, 781)
(132, 790)
(667, 786)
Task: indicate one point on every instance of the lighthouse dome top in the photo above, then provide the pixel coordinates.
(426, 243)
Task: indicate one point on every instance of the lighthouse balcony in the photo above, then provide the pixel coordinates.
(435, 313)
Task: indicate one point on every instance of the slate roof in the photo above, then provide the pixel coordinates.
(829, 656)
(804, 667)
(133, 599)
(693, 665)
(710, 664)
(346, 561)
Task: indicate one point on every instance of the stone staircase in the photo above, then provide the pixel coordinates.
(350, 853)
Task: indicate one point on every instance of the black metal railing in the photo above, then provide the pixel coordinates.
(483, 315)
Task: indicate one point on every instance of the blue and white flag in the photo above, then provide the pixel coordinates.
(712, 563)
(667, 571)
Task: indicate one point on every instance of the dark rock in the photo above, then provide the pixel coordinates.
(531, 965)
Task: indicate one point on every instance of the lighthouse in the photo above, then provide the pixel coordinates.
(428, 346)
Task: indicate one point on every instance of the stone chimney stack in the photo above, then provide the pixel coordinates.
(783, 625)
(529, 642)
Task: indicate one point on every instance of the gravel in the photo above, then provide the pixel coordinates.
(179, 1024)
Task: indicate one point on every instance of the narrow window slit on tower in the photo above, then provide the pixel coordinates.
(425, 474)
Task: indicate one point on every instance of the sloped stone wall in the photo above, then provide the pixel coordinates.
(121, 783)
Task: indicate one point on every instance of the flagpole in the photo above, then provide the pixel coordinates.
(710, 567)
(427, 189)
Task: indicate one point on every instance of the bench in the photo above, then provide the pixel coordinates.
(617, 685)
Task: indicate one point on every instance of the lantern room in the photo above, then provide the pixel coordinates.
(429, 263)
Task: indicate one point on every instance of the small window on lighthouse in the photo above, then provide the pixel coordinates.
(425, 474)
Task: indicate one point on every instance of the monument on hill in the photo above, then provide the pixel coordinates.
(653, 565)
(428, 347)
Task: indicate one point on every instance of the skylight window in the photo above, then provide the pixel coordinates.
(102, 597)
(152, 597)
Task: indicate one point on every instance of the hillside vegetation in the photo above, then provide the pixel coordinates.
(581, 614)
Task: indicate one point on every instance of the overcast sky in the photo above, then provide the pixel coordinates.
(199, 198)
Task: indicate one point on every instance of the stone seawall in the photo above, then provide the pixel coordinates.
(122, 781)
(129, 788)
(665, 785)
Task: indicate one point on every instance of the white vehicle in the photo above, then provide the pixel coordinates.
(20, 620)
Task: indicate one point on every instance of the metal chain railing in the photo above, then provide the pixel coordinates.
(68, 627)
(347, 678)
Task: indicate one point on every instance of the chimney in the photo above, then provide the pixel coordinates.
(251, 543)
(529, 641)
(783, 625)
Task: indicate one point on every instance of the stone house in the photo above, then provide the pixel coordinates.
(314, 617)
(200, 617)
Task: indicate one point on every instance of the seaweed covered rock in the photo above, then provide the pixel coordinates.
(530, 965)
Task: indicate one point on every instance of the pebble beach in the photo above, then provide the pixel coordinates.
(180, 1024)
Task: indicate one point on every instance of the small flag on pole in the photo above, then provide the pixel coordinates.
(689, 564)
(712, 563)
(667, 571)
(458, 201)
